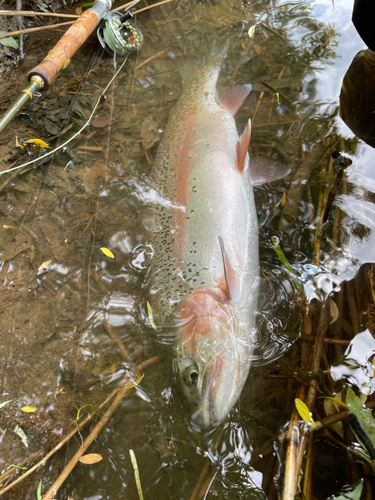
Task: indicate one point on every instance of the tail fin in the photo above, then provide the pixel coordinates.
(210, 59)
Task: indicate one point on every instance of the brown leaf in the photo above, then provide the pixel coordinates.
(91, 458)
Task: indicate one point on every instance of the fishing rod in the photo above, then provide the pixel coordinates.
(116, 33)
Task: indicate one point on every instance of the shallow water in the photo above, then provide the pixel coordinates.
(61, 324)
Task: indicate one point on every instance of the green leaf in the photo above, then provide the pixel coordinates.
(351, 495)
(39, 490)
(136, 474)
(364, 415)
(9, 42)
(304, 412)
(17, 467)
(5, 403)
(288, 268)
(21, 434)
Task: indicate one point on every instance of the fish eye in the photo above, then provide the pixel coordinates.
(193, 376)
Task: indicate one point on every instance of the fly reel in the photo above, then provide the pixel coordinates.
(118, 34)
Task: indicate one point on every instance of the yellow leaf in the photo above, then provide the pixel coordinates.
(8, 227)
(45, 264)
(66, 63)
(282, 201)
(35, 144)
(304, 412)
(107, 252)
(151, 317)
(134, 384)
(337, 401)
(29, 409)
(278, 98)
(91, 458)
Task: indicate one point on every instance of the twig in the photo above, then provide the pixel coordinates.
(11, 177)
(32, 30)
(272, 31)
(202, 481)
(31, 13)
(308, 469)
(257, 107)
(151, 58)
(151, 6)
(292, 440)
(276, 91)
(73, 462)
(282, 122)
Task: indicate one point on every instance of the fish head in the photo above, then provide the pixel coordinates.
(209, 355)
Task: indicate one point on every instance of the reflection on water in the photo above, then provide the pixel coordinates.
(61, 326)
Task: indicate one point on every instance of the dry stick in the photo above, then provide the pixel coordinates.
(151, 6)
(140, 10)
(199, 488)
(292, 438)
(282, 122)
(32, 30)
(257, 107)
(308, 469)
(151, 58)
(79, 427)
(311, 393)
(93, 434)
(275, 91)
(273, 31)
(31, 13)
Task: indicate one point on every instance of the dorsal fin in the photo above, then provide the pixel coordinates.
(242, 147)
(229, 274)
(233, 97)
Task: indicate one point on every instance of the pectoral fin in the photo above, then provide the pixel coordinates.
(229, 274)
(264, 170)
(242, 147)
(233, 97)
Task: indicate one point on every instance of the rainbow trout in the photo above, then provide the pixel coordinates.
(204, 232)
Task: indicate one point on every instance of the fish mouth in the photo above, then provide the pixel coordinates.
(212, 411)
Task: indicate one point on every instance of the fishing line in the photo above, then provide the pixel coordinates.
(77, 133)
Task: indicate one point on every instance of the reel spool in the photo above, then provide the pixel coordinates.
(117, 34)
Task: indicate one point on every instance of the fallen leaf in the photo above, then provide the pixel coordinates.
(8, 227)
(8, 42)
(136, 473)
(29, 409)
(5, 403)
(107, 252)
(17, 467)
(35, 144)
(91, 458)
(251, 31)
(304, 412)
(282, 201)
(333, 311)
(39, 491)
(45, 264)
(21, 434)
(351, 495)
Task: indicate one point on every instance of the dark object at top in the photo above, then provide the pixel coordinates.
(357, 97)
(363, 19)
